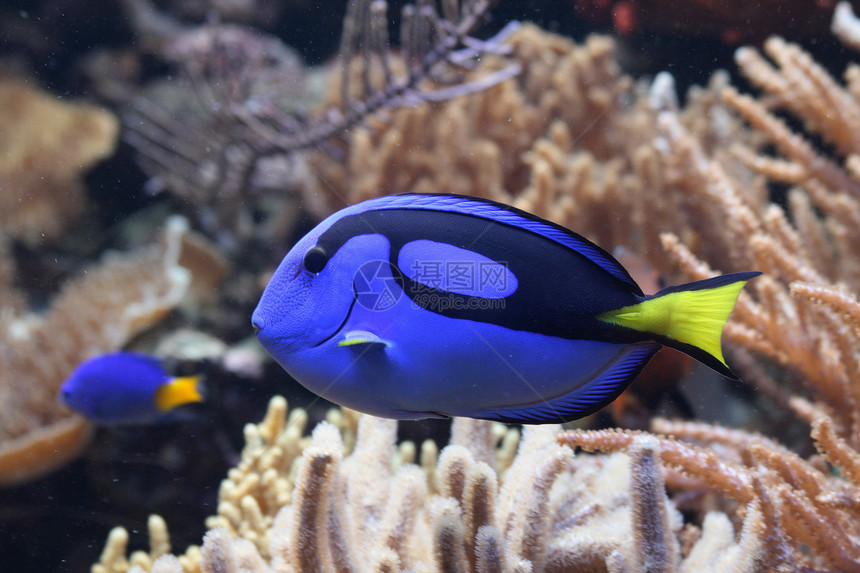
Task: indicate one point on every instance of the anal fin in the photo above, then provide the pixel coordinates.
(585, 400)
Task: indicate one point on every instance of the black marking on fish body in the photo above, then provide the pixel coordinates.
(506, 214)
(342, 324)
(560, 291)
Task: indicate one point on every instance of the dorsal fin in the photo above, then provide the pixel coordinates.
(506, 215)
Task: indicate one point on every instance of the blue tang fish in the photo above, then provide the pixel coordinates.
(413, 306)
(126, 388)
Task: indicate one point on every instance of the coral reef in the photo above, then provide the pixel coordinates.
(799, 506)
(801, 319)
(47, 146)
(191, 142)
(476, 145)
(489, 501)
(225, 136)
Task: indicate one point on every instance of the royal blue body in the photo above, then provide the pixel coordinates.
(116, 388)
(414, 306)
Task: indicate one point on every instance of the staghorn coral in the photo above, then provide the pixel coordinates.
(47, 146)
(96, 313)
(311, 504)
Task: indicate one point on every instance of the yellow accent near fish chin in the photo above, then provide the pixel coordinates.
(354, 341)
(694, 317)
(177, 392)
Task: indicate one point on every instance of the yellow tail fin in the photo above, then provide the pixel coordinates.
(688, 317)
(177, 392)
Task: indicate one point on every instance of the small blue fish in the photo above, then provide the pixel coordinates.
(126, 388)
(414, 306)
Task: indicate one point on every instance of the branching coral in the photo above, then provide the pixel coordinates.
(99, 312)
(367, 510)
(570, 139)
(476, 145)
(797, 504)
(802, 318)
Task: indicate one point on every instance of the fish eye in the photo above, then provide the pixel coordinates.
(315, 259)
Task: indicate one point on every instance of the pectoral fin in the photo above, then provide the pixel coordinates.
(363, 337)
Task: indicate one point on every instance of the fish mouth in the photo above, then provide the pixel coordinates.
(258, 323)
(342, 324)
(65, 396)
